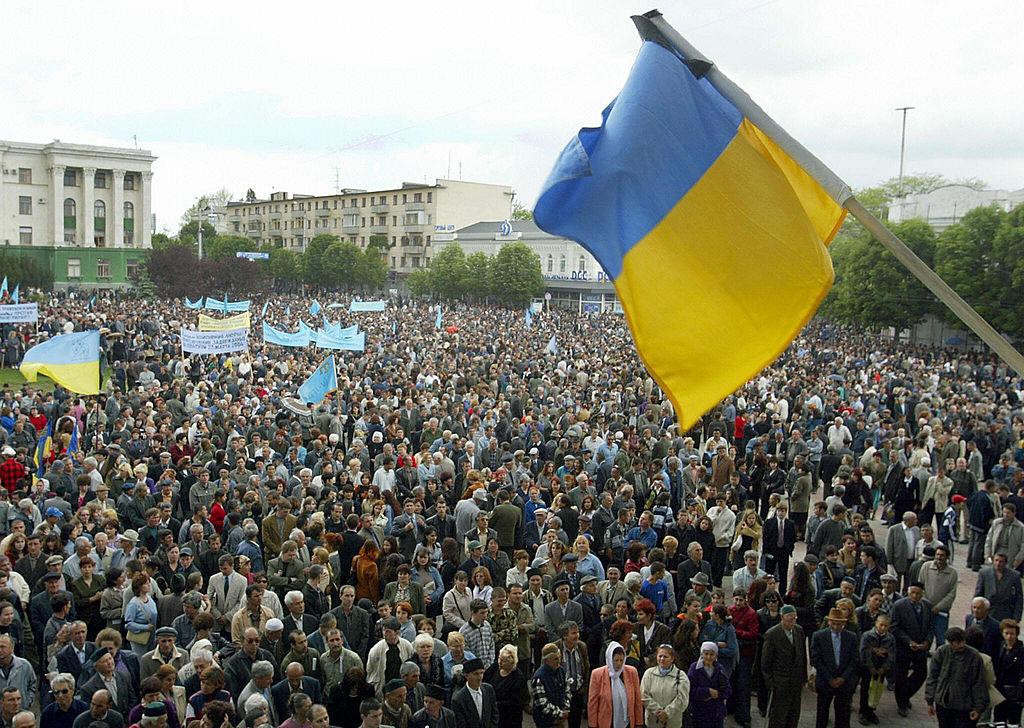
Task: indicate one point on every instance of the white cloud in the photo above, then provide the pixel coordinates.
(500, 86)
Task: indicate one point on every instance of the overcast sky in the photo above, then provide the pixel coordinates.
(276, 96)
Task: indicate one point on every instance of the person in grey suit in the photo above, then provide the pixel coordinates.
(901, 546)
(226, 592)
(474, 704)
(784, 669)
(353, 621)
(1001, 585)
(562, 609)
(835, 659)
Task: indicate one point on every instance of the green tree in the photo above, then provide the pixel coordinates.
(312, 262)
(222, 247)
(448, 272)
(872, 288)
(189, 234)
(371, 268)
(340, 263)
(516, 275)
(478, 280)
(284, 265)
(980, 257)
(419, 282)
(162, 240)
(521, 211)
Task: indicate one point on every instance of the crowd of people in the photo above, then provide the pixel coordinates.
(473, 529)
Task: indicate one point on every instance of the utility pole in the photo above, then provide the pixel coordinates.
(903, 146)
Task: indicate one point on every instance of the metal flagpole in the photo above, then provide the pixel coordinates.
(653, 26)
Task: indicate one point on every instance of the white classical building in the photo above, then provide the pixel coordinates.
(947, 205)
(75, 195)
(572, 276)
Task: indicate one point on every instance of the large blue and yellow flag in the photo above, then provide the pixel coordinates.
(714, 236)
(71, 360)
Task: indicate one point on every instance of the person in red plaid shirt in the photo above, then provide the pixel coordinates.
(11, 469)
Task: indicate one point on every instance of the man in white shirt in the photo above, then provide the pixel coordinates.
(384, 478)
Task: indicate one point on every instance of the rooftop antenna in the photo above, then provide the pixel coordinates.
(135, 138)
(449, 175)
(337, 179)
(460, 171)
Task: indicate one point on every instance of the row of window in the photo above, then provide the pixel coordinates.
(348, 221)
(70, 207)
(303, 205)
(102, 268)
(562, 263)
(99, 238)
(101, 179)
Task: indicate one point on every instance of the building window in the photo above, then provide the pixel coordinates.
(392, 261)
(551, 264)
(129, 184)
(405, 198)
(103, 268)
(70, 212)
(70, 178)
(417, 197)
(394, 201)
(74, 268)
(129, 237)
(561, 265)
(100, 181)
(430, 197)
(99, 209)
(415, 261)
(129, 211)
(25, 235)
(25, 204)
(583, 263)
(131, 268)
(24, 175)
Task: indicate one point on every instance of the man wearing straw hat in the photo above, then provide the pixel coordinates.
(834, 658)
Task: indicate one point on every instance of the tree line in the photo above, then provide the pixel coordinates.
(511, 277)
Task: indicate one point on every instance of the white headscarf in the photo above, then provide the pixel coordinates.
(620, 701)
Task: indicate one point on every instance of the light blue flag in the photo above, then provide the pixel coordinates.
(194, 304)
(16, 295)
(529, 318)
(394, 327)
(314, 308)
(552, 347)
(92, 302)
(271, 335)
(437, 321)
(288, 310)
(320, 382)
(353, 343)
(266, 305)
(368, 306)
(3, 286)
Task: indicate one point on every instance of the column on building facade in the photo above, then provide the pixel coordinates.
(116, 237)
(143, 226)
(88, 200)
(57, 200)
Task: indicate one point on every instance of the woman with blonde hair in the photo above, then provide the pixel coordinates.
(748, 537)
(510, 688)
(614, 699)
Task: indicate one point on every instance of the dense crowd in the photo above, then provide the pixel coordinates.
(473, 529)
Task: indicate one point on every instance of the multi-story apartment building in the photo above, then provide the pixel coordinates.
(406, 218)
(82, 210)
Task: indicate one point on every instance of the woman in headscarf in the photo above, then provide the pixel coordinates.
(666, 691)
(709, 688)
(615, 700)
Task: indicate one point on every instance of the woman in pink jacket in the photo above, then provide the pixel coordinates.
(615, 700)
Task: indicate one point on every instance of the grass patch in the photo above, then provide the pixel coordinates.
(13, 378)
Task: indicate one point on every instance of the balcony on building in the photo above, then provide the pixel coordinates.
(379, 209)
(323, 212)
(415, 229)
(254, 234)
(299, 214)
(415, 206)
(274, 215)
(379, 230)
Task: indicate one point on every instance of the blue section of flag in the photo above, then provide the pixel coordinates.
(43, 449)
(437, 322)
(78, 348)
(266, 305)
(73, 444)
(552, 347)
(16, 295)
(314, 308)
(320, 382)
(529, 318)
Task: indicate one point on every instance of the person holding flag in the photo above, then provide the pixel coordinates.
(320, 383)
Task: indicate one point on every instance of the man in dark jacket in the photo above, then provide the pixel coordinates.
(464, 705)
(784, 669)
(957, 693)
(835, 659)
(912, 628)
(433, 714)
(779, 538)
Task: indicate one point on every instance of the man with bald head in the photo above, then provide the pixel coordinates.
(295, 681)
(101, 709)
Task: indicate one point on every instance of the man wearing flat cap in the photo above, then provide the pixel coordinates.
(433, 714)
(166, 652)
(784, 669)
(396, 711)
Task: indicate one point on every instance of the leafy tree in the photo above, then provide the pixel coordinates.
(175, 271)
(981, 258)
(380, 242)
(419, 282)
(312, 264)
(340, 263)
(872, 288)
(478, 279)
(24, 271)
(162, 240)
(142, 284)
(448, 272)
(371, 268)
(516, 275)
(521, 211)
(189, 234)
(284, 264)
(222, 247)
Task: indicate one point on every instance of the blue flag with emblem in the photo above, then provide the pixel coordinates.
(320, 382)
(437, 321)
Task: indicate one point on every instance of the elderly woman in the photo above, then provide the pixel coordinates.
(665, 690)
(510, 688)
(211, 687)
(172, 692)
(709, 688)
(430, 664)
(614, 699)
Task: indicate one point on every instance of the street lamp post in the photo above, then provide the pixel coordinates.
(903, 145)
(204, 214)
